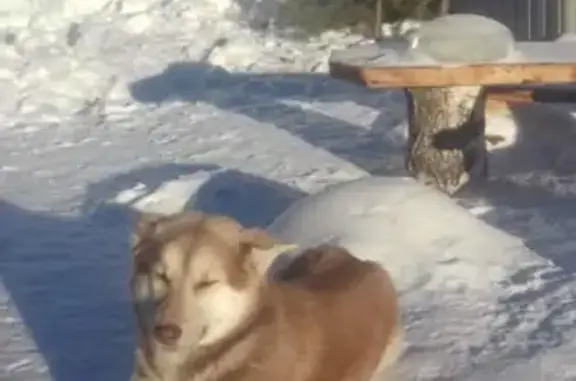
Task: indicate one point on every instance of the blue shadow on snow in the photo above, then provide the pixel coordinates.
(67, 276)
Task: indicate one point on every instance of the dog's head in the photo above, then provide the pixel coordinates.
(203, 273)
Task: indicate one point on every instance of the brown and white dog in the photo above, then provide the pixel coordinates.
(216, 316)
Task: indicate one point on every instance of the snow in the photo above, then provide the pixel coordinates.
(465, 38)
(394, 53)
(455, 39)
(163, 105)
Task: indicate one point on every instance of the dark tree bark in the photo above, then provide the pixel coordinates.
(446, 146)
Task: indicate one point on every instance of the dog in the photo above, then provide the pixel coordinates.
(207, 309)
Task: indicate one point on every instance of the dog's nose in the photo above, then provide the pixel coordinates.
(167, 334)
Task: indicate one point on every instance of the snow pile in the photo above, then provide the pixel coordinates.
(451, 40)
(465, 38)
(64, 58)
(52, 15)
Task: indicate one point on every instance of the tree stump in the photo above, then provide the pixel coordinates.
(446, 146)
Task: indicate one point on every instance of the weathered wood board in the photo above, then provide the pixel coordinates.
(376, 66)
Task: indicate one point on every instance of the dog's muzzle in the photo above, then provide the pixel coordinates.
(167, 334)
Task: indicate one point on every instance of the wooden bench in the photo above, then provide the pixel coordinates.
(446, 145)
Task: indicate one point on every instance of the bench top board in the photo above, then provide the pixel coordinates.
(378, 66)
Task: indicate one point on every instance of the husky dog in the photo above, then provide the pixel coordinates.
(208, 311)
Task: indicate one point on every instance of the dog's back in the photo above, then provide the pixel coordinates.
(339, 313)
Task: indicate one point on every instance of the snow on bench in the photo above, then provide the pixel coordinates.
(473, 297)
(445, 70)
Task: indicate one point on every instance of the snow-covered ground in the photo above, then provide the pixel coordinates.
(171, 104)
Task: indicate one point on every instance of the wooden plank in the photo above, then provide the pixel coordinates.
(500, 100)
(534, 62)
(457, 76)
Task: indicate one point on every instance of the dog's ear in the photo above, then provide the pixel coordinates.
(262, 248)
(145, 223)
(257, 238)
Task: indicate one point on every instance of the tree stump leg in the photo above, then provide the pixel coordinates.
(446, 146)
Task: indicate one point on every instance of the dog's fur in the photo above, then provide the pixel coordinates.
(217, 317)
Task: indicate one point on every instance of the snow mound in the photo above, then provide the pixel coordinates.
(377, 218)
(465, 38)
(472, 295)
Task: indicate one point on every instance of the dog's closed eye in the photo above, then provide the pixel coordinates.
(160, 274)
(204, 284)
(146, 287)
